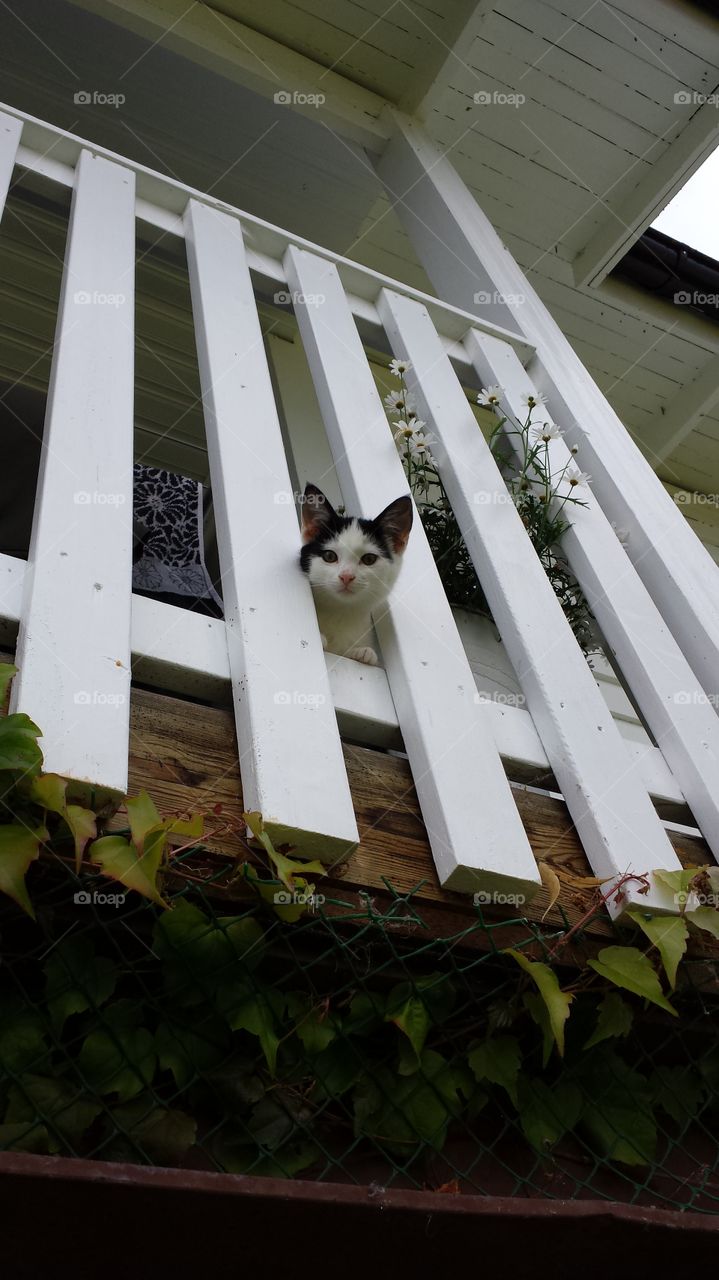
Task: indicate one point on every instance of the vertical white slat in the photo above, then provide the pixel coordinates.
(10, 131)
(609, 806)
(291, 758)
(73, 647)
(463, 254)
(662, 683)
(476, 835)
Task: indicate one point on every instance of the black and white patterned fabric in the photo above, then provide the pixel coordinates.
(169, 543)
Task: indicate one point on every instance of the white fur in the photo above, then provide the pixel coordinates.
(345, 615)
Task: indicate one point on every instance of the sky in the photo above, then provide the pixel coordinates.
(693, 215)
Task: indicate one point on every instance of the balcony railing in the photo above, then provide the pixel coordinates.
(80, 627)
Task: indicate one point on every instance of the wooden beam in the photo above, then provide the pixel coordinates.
(229, 48)
(646, 200)
(421, 100)
(186, 756)
(458, 246)
(681, 414)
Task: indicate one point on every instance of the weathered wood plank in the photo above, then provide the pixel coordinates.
(187, 758)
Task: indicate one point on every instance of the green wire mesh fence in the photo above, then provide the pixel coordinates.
(348, 1045)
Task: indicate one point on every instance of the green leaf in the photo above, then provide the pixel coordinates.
(19, 846)
(162, 1135)
(627, 967)
(669, 934)
(412, 1019)
(19, 748)
(335, 1070)
(401, 1112)
(287, 868)
(259, 1013)
(235, 1154)
(23, 1043)
(556, 1000)
(539, 1012)
(143, 817)
(615, 1019)
(273, 1121)
(56, 1106)
(120, 860)
(203, 959)
(120, 1058)
(706, 918)
(677, 1090)
(7, 671)
(498, 1060)
(189, 1051)
(24, 1136)
(545, 1113)
(366, 1014)
(677, 881)
(50, 791)
(315, 1028)
(616, 1112)
(77, 979)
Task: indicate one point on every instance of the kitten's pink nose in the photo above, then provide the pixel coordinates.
(346, 577)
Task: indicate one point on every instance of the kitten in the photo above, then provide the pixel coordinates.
(352, 565)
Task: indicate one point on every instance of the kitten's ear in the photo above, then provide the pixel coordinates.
(318, 514)
(395, 523)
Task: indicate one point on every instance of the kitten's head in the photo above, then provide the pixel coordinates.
(350, 559)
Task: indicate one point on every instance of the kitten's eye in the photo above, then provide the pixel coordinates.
(329, 557)
(369, 558)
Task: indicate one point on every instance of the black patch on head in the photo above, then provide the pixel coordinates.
(321, 523)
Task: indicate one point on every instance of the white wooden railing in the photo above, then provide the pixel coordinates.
(81, 629)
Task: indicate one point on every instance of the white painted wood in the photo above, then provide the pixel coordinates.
(178, 650)
(663, 685)
(290, 753)
(73, 647)
(10, 131)
(446, 224)
(620, 229)
(245, 55)
(612, 813)
(683, 412)
(474, 829)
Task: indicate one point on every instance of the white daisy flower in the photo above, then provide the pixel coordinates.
(399, 367)
(404, 432)
(490, 396)
(533, 398)
(417, 424)
(399, 402)
(418, 446)
(547, 431)
(577, 478)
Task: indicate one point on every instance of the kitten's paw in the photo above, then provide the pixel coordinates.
(364, 654)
